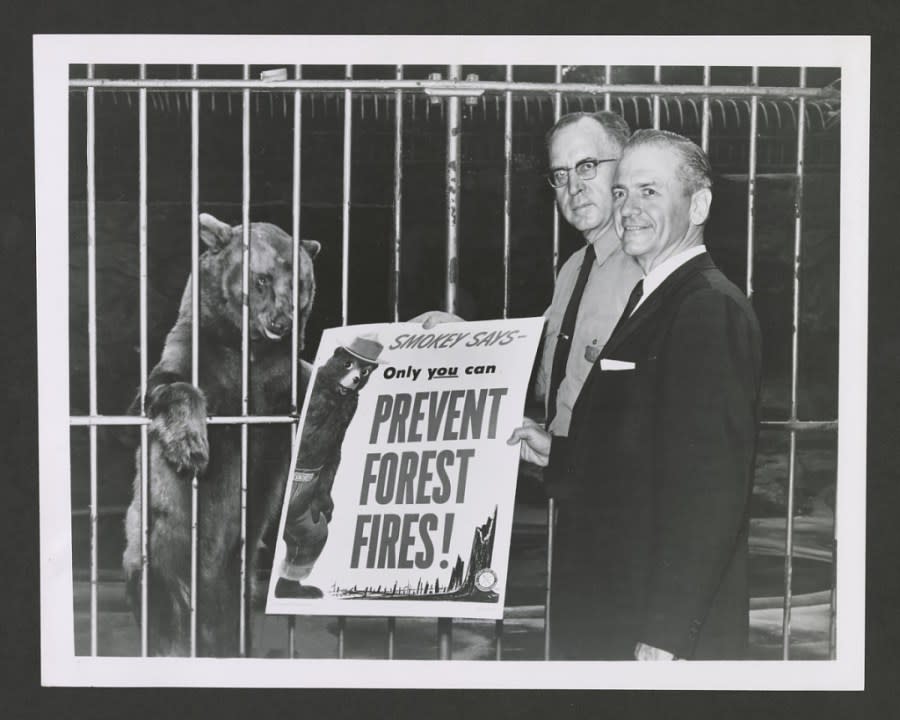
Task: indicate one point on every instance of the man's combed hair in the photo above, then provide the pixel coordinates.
(614, 125)
(695, 171)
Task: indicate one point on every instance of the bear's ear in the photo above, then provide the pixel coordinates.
(214, 232)
(312, 247)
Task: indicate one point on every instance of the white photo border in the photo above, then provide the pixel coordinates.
(52, 56)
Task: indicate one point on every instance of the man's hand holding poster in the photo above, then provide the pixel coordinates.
(401, 491)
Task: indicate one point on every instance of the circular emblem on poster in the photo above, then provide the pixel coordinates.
(485, 579)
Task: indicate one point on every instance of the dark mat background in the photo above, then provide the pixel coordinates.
(21, 694)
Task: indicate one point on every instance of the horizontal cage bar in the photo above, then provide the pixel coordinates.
(463, 87)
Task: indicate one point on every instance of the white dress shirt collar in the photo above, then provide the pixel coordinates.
(657, 275)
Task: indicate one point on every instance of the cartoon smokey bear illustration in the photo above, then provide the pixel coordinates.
(333, 402)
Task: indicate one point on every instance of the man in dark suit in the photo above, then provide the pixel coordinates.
(650, 560)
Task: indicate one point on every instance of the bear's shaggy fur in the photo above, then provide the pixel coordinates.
(181, 445)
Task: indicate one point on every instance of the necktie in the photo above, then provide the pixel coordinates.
(633, 300)
(566, 331)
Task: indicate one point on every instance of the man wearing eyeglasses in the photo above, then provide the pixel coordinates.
(593, 284)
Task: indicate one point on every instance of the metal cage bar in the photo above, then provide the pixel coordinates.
(130, 420)
(391, 637)
(295, 287)
(445, 638)
(345, 203)
(792, 461)
(456, 87)
(704, 122)
(452, 180)
(507, 189)
(245, 350)
(453, 175)
(195, 339)
(292, 636)
(551, 503)
(557, 113)
(832, 615)
(345, 251)
(657, 78)
(91, 190)
(295, 237)
(398, 194)
(751, 182)
(142, 292)
(507, 228)
(607, 78)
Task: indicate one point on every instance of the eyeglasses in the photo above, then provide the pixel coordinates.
(585, 169)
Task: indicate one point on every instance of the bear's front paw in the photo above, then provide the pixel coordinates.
(178, 423)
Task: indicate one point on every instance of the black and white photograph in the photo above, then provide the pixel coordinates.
(689, 216)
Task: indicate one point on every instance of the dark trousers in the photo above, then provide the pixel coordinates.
(578, 629)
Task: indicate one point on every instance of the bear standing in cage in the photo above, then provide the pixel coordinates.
(181, 446)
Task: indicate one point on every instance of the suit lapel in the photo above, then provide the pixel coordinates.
(639, 317)
(657, 298)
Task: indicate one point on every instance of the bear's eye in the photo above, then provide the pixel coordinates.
(348, 364)
(262, 282)
(365, 371)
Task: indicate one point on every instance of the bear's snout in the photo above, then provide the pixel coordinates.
(280, 325)
(275, 328)
(351, 380)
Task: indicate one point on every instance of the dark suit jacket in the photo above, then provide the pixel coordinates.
(652, 535)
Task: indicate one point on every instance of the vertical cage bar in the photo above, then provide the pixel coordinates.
(453, 176)
(142, 272)
(345, 250)
(798, 231)
(557, 111)
(391, 637)
(292, 641)
(195, 335)
(345, 229)
(751, 181)
(657, 78)
(551, 531)
(445, 639)
(832, 614)
(295, 250)
(92, 343)
(507, 190)
(704, 121)
(607, 97)
(507, 205)
(551, 504)
(398, 193)
(295, 285)
(245, 349)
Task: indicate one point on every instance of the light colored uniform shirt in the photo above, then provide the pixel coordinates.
(657, 275)
(611, 281)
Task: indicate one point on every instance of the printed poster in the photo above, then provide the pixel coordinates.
(399, 501)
